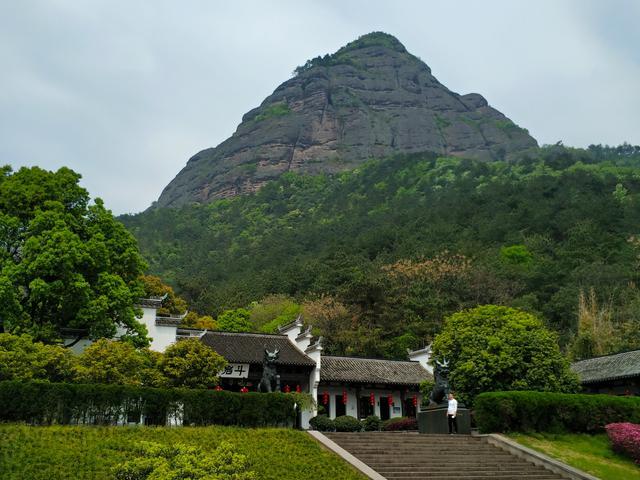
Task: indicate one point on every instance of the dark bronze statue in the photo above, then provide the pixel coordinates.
(441, 389)
(268, 383)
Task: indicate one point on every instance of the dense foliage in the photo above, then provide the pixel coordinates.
(322, 423)
(347, 423)
(65, 452)
(493, 348)
(23, 359)
(65, 264)
(174, 462)
(188, 363)
(395, 246)
(625, 439)
(43, 403)
(552, 412)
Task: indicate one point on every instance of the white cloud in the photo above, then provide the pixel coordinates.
(125, 92)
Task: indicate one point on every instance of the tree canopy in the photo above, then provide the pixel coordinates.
(405, 241)
(190, 363)
(66, 265)
(493, 348)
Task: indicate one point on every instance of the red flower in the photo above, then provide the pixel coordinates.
(287, 389)
(244, 390)
(625, 439)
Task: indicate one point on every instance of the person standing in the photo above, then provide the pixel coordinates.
(452, 411)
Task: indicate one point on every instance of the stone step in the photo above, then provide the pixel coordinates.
(443, 467)
(409, 456)
(522, 476)
(422, 458)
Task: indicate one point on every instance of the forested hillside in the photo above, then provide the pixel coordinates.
(387, 250)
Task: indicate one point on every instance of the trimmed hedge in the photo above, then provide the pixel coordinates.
(552, 412)
(372, 423)
(44, 403)
(322, 423)
(347, 423)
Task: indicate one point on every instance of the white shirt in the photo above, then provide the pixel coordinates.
(453, 407)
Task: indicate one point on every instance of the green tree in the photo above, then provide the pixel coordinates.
(64, 264)
(204, 322)
(238, 320)
(23, 359)
(172, 304)
(190, 363)
(111, 361)
(493, 348)
(273, 311)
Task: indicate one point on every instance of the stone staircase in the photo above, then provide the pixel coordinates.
(408, 455)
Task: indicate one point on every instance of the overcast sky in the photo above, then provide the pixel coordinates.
(124, 92)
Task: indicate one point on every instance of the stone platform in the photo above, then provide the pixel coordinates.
(433, 420)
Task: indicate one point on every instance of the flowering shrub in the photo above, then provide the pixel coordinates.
(401, 423)
(625, 439)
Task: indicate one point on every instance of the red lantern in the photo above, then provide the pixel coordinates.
(372, 399)
(344, 397)
(218, 388)
(325, 398)
(244, 390)
(298, 389)
(287, 389)
(390, 400)
(415, 400)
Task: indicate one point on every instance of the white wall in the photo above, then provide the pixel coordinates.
(161, 335)
(352, 400)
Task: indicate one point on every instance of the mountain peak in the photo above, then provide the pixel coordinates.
(370, 99)
(374, 39)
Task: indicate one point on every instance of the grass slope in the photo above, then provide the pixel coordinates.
(64, 452)
(590, 453)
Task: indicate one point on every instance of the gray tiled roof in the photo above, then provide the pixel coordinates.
(369, 370)
(610, 367)
(153, 302)
(249, 348)
(168, 321)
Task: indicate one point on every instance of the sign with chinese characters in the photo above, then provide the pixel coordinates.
(235, 370)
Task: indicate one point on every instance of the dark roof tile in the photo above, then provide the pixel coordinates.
(249, 348)
(369, 370)
(609, 367)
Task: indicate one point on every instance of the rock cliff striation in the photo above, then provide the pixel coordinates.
(370, 99)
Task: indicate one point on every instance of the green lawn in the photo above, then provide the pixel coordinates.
(65, 452)
(590, 453)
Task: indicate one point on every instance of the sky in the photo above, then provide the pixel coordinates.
(125, 91)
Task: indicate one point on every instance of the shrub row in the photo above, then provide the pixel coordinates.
(625, 439)
(45, 403)
(372, 423)
(552, 412)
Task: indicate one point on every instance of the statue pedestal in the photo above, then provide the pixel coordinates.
(434, 420)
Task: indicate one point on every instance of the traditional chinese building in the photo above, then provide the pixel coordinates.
(341, 385)
(358, 387)
(617, 374)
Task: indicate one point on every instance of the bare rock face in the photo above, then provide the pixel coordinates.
(369, 100)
